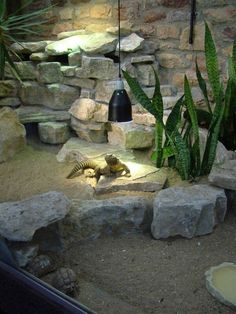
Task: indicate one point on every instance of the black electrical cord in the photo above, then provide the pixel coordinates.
(119, 38)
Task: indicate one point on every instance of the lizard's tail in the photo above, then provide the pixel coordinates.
(81, 166)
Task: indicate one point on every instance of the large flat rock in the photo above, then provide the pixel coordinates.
(30, 114)
(19, 220)
(143, 178)
(91, 219)
(76, 149)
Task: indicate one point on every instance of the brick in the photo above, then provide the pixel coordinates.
(167, 31)
(100, 11)
(220, 15)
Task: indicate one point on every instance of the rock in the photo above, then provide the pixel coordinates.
(77, 149)
(145, 74)
(12, 134)
(8, 88)
(89, 131)
(131, 43)
(99, 43)
(144, 119)
(188, 211)
(83, 109)
(131, 135)
(29, 47)
(97, 67)
(10, 102)
(198, 44)
(90, 219)
(53, 132)
(68, 71)
(74, 58)
(26, 69)
(102, 114)
(64, 46)
(39, 56)
(29, 114)
(172, 60)
(220, 283)
(88, 93)
(96, 43)
(222, 154)
(144, 178)
(125, 28)
(19, 220)
(63, 35)
(83, 83)
(54, 96)
(224, 175)
(105, 88)
(143, 59)
(49, 72)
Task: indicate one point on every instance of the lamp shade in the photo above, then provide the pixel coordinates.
(120, 108)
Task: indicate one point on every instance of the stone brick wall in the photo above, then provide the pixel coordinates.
(163, 22)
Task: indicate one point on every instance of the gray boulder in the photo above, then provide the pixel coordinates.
(53, 132)
(131, 43)
(188, 211)
(19, 220)
(29, 47)
(224, 175)
(28, 114)
(12, 134)
(90, 219)
(99, 43)
(55, 96)
(49, 72)
(131, 135)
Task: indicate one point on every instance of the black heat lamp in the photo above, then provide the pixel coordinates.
(120, 108)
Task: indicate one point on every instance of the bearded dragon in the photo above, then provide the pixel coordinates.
(113, 167)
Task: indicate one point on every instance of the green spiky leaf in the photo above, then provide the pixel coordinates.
(212, 62)
(182, 157)
(203, 86)
(139, 94)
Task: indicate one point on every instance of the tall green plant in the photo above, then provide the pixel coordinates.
(175, 145)
(13, 27)
(224, 99)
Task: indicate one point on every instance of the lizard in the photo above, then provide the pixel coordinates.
(113, 167)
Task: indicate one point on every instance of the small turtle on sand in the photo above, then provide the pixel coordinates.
(41, 265)
(65, 281)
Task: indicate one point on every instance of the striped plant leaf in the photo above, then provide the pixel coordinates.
(194, 124)
(211, 144)
(139, 94)
(212, 62)
(157, 103)
(203, 86)
(174, 117)
(182, 157)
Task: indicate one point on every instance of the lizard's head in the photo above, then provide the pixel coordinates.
(111, 159)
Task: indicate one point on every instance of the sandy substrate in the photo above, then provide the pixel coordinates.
(130, 273)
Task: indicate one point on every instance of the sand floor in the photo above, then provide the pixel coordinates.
(130, 273)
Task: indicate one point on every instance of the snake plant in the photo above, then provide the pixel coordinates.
(13, 27)
(224, 99)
